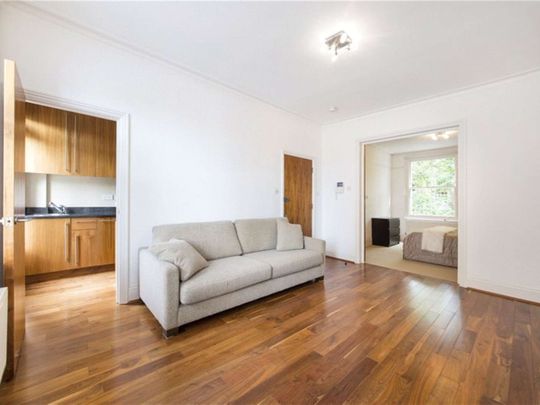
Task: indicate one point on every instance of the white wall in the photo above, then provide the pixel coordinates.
(502, 148)
(71, 191)
(400, 190)
(199, 151)
(378, 186)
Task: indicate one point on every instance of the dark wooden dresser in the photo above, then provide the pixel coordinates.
(385, 231)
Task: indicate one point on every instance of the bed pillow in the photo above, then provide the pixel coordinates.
(289, 236)
(182, 255)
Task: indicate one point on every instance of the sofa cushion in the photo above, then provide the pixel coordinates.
(289, 236)
(223, 276)
(289, 261)
(256, 234)
(182, 255)
(213, 240)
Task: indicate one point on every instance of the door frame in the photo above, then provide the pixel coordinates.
(123, 130)
(313, 186)
(462, 189)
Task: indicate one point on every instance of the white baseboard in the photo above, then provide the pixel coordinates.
(133, 293)
(524, 293)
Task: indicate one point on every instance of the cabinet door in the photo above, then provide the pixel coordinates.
(47, 140)
(84, 145)
(106, 148)
(47, 244)
(105, 241)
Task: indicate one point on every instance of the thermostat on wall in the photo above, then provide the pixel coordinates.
(340, 188)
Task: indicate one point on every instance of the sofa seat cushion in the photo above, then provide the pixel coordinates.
(289, 261)
(223, 276)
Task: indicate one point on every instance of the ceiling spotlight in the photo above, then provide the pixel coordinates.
(434, 137)
(445, 135)
(337, 42)
(332, 109)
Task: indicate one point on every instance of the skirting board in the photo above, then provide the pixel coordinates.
(523, 293)
(133, 294)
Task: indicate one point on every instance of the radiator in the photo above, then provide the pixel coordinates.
(3, 329)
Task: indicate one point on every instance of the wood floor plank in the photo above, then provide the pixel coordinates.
(364, 335)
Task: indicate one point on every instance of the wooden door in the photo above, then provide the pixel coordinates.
(48, 141)
(298, 192)
(105, 241)
(13, 208)
(48, 245)
(106, 148)
(84, 145)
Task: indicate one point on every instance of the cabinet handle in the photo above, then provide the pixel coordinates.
(77, 249)
(67, 239)
(67, 163)
(76, 152)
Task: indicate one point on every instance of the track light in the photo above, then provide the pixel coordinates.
(337, 42)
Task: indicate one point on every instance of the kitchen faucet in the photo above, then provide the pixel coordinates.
(59, 207)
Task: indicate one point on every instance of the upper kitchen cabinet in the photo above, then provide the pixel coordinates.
(85, 138)
(106, 148)
(48, 148)
(62, 142)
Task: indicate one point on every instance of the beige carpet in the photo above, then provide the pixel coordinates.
(392, 257)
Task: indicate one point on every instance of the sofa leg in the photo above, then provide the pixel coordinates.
(169, 333)
(321, 278)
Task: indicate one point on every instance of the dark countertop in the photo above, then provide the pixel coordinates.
(72, 212)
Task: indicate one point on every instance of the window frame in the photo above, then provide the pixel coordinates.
(409, 184)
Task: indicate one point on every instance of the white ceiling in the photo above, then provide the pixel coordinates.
(274, 51)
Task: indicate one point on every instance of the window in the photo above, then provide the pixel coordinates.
(432, 187)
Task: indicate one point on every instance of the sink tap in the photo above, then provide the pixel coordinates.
(58, 207)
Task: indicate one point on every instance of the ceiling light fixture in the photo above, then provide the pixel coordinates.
(442, 135)
(337, 42)
(332, 109)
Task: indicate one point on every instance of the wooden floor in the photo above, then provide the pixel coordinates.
(365, 335)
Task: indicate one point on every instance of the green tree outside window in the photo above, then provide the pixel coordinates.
(433, 187)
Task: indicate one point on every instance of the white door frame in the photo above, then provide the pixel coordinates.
(462, 182)
(122, 177)
(313, 185)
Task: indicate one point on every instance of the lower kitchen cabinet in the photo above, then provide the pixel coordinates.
(47, 245)
(63, 244)
(105, 251)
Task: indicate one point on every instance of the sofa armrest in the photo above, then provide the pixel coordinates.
(159, 287)
(318, 245)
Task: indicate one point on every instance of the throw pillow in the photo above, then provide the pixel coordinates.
(182, 255)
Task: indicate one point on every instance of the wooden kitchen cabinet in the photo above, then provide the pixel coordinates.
(47, 245)
(67, 143)
(84, 241)
(105, 249)
(85, 138)
(106, 148)
(63, 244)
(47, 140)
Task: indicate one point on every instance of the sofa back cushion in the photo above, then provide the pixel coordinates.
(257, 234)
(213, 240)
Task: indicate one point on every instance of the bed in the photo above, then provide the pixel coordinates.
(412, 250)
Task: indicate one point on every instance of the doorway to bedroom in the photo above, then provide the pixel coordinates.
(410, 210)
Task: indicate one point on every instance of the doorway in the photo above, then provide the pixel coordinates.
(298, 191)
(411, 188)
(120, 122)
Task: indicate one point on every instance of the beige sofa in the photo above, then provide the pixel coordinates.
(244, 265)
